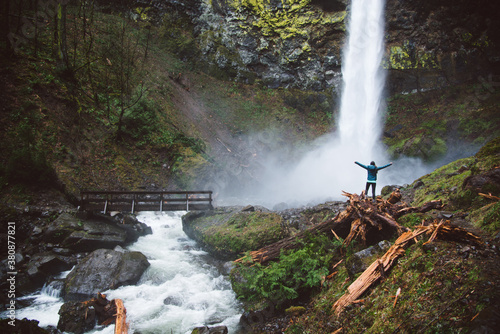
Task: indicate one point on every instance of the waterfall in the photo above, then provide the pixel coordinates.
(360, 121)
(328, 167)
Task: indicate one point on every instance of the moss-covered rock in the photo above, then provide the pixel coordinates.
(425, 146)
(228, 232)
(405, 57)
(460, 183)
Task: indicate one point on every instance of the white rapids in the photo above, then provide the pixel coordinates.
(182, 288)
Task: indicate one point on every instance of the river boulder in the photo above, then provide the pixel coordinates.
(43, 265)
(81, 317)
(101, 270)
(83, 235)
(94, 232)
(210, 330)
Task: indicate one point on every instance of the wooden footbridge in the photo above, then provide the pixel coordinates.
(135, 201)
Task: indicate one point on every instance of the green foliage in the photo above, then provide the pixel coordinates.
(283, 280)
(27, 162)
(176, 37)
(197, 145)
(411, 220)
(141, 119)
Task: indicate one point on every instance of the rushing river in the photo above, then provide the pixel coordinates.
(182, 288)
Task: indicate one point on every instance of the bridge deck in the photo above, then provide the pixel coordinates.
(135, 201)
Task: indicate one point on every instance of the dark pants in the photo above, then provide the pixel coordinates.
(368, 184)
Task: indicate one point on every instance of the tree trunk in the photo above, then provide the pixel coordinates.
(61, 34)
(5, 22)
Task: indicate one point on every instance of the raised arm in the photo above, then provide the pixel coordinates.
(361, 165)
(389, 164)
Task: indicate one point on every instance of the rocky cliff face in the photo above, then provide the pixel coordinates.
(298, 43)
(436, 43)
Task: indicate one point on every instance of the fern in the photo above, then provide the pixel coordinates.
(283, 280)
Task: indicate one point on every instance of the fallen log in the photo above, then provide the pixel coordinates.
(442, 230)
(121, 326)
(432, 205)
(340, 225)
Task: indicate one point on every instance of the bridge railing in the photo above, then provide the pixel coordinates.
(135, 201)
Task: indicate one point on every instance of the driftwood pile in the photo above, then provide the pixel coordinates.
(438, 229)
(363, 219)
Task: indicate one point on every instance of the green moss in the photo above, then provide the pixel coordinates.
(443, 181)
(489, 155)
(399, 58)
(404, 57)
(487, 218)
(291, 20)
(245, 232)
(295, 310)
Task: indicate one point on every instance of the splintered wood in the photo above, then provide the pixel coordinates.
(109, 312)
(443, 230)
(357, 221)
(121, 326)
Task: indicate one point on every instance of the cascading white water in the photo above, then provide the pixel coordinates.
(328, 167)
(360, 122)
(182, 289)
(44, 305)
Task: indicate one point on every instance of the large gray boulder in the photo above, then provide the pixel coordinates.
(83, 235)
(43, 265)
(102, 270)
(97, 231)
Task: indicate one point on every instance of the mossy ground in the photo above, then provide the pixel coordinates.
(447, 184)
(443, 288)
(430, 124)
(446, 287)
(230, 234)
